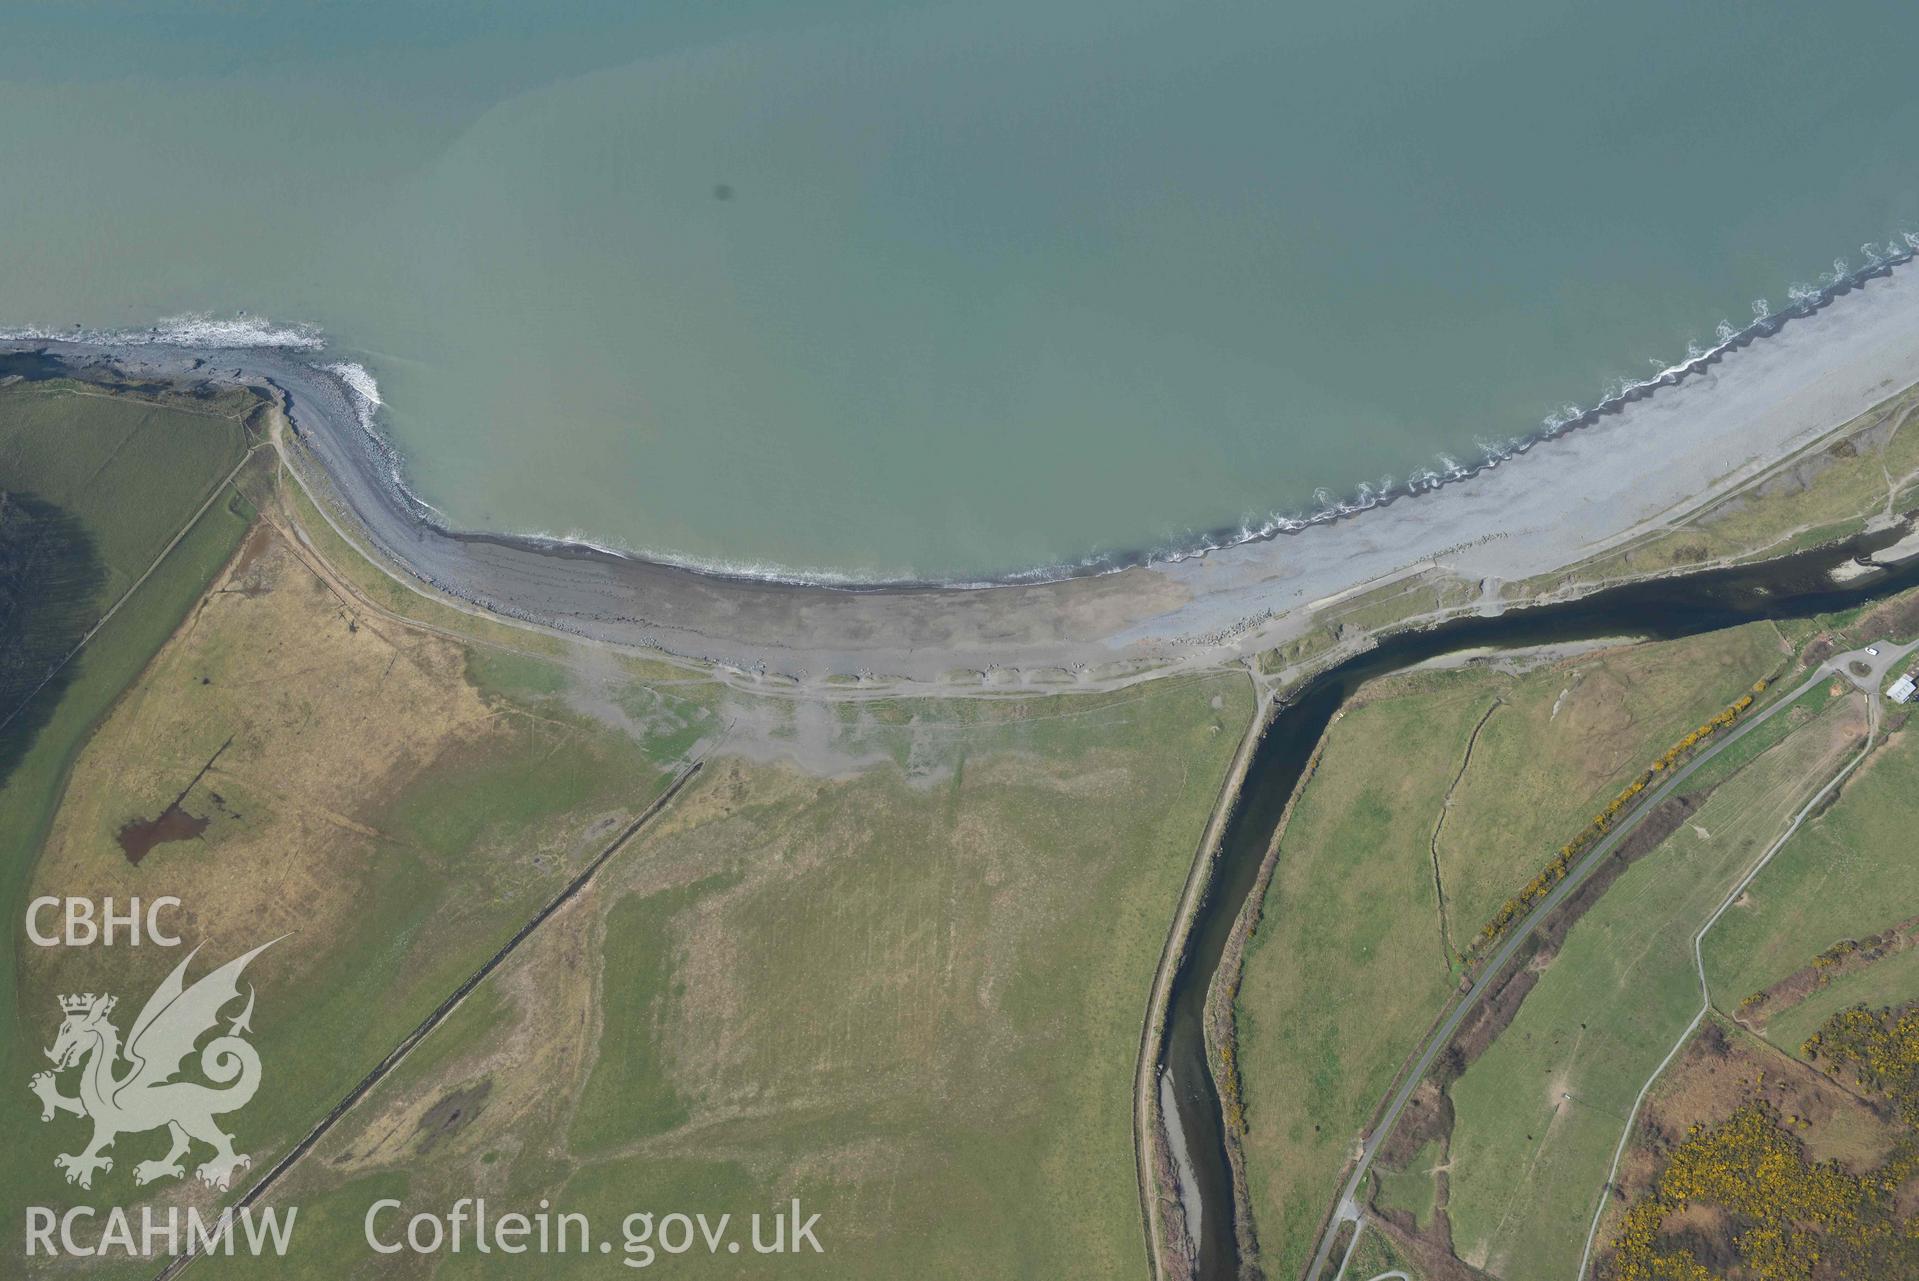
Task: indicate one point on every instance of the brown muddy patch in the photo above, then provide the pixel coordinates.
(258, 541)
(451, 1114)
(1428, 1252)
(1428, 1116)
(138, 837)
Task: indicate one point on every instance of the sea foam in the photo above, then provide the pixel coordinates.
(191, 329)
(361, 391)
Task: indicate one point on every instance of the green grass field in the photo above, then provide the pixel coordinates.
(1539, 1113)
(1414, 1190)
(131, 469)
(908, 992)
(1749, 747)
(155, 467)
(1564, 743)
(1848, 876)
(890, 958)
(392, 803)
(1889, 982)
(1373, 1255)
(92, 489)
(629, 1095)
(904, 982)
(1348, 967)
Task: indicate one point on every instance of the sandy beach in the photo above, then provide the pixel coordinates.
(1625, 472)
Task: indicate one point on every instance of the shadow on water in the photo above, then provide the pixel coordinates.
(50, 581)
(1798, 586)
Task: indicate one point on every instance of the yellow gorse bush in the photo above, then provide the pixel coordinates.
(1793, 1219)
(1555, 871)
(1794, 1212)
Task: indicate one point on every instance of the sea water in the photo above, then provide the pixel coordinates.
(868, 290)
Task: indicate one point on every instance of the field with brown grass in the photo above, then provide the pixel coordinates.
(1807, 1142)
(1539, 1112)
(124, 500)
(890, 958)
(391, 804)
(906, 990)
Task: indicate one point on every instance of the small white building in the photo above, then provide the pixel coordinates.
(1902, 689)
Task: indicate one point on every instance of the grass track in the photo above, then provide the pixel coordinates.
(1539, 1113)
(1346, 971)
(1847, 876)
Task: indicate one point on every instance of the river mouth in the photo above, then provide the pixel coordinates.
(1797, 586)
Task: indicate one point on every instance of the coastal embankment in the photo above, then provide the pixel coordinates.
(1613, 477)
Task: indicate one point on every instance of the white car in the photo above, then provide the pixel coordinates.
(1873, 650)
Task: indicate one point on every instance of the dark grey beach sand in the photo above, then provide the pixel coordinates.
(1623, 474)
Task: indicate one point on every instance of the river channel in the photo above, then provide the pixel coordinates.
(1797, 586)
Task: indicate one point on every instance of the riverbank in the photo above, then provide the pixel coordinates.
(1801, 586)
(1626, 473)
(1171, 1200)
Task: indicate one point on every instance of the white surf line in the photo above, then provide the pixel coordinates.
(1699, 960)
(701, 671)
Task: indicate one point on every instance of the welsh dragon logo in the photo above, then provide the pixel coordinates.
(144, 1094)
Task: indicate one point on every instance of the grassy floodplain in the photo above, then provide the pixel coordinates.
(1413, 1190)
(132, 468)
(394, 802)
(882, 955)
(1539, 1112)
(1828, 925)
(1849, 876)
(889, 957)
(1352, 959)
(93, 487)
(891, 962)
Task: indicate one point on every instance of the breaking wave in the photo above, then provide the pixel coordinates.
(192, 329)
(1802, 300)
(362, 394)
(361, 391)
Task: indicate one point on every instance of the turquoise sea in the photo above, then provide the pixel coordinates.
(949, 289)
